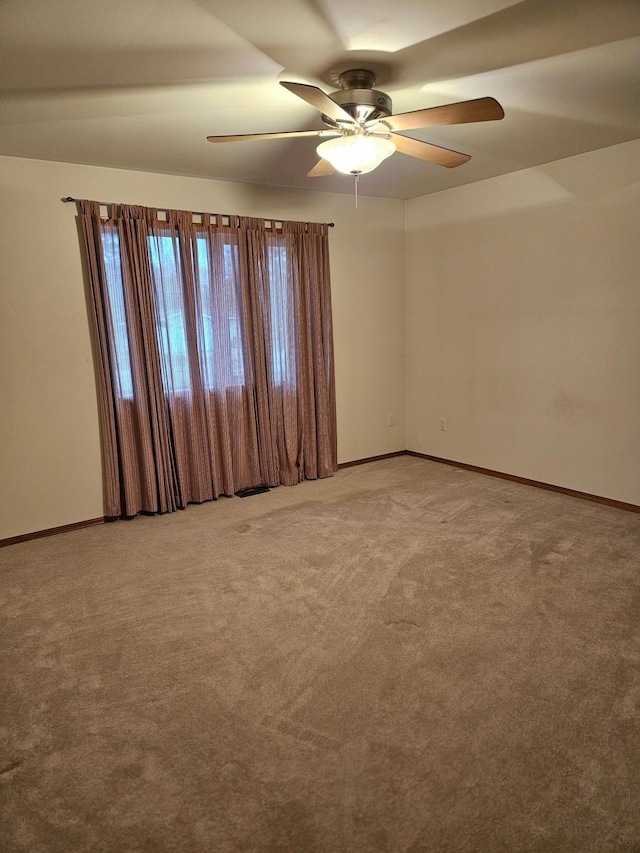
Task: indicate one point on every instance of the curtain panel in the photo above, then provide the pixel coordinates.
(214, 353)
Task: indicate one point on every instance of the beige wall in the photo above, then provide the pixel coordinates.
(50, 465)
(523, 323)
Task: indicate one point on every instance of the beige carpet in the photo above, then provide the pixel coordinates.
(407, 657)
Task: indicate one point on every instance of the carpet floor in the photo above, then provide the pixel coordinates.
(408, 658)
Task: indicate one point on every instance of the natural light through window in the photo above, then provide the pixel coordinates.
(214, 311)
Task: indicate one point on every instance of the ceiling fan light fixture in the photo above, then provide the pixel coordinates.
(356, 154)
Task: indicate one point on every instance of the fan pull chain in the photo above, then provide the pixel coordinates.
(356, 176)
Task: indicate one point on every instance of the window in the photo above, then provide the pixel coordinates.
(214, 353)
(216, 314)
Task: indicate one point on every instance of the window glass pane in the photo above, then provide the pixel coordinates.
(221, 351)
(170, 313)
(281, 315)
(206, 336)
(120, 356)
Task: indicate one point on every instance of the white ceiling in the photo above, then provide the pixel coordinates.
(140, 84)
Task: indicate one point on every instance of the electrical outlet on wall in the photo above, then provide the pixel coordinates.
(443, 424)
(392, 420)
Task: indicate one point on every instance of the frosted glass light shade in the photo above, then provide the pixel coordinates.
(355, 155)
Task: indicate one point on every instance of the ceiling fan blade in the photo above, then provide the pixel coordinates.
(321, 169)
(317, 98)
(480, 109)
(429, 152)
(243, 137)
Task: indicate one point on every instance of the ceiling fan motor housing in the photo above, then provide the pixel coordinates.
(363, 104)
(357, 97)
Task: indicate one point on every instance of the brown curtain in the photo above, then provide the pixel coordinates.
(215, 354)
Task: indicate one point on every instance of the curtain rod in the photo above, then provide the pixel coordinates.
(195, 212)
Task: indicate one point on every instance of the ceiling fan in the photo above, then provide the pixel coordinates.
(362, 131)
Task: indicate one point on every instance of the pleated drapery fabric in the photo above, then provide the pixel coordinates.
(214, 353)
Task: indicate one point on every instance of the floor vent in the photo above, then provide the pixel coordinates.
(254, 490)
